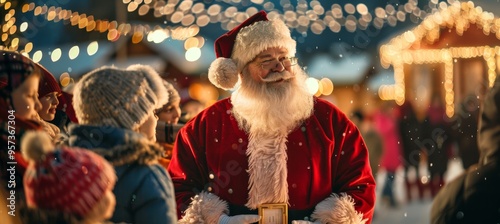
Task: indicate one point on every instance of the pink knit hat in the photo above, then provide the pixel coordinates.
(70, 180)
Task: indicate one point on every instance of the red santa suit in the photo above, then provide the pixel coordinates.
(328, 175)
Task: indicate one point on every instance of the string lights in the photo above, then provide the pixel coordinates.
(183, 19)
(403, 49)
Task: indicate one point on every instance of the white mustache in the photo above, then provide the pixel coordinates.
(275, 76)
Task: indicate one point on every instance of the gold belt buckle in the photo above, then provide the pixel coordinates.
(273, 213)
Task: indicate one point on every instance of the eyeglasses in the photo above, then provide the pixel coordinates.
(271, 63)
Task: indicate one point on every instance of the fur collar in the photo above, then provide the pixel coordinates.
(118, 146)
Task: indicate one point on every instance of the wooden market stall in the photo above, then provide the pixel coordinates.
(452, 53)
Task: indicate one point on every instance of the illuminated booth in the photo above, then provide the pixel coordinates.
(453, 53)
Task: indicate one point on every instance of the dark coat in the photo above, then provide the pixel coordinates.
(474, 197)
(144, 191)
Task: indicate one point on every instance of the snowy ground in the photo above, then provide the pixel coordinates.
(415, 212)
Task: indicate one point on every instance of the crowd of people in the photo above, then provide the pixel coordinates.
(114, 151)
(402, 138)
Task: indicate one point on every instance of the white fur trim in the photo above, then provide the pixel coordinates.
(335, 209)
(205, 208)
(253, 39)
(267, 170)
(223, 73)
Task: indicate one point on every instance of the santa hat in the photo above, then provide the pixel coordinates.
(242, 44)
(69, 180)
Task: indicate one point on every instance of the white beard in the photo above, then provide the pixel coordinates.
(271, 108)
(268, 112)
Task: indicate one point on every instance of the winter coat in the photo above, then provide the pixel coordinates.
(11, 132)
(326, 157)
(474, 196)
(144, 191)
(465, 128)
(388, 129)
(415, 135)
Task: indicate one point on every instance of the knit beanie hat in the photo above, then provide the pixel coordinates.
(48, 83)
(71, 180)
(242, 44)
(66, 105)
(14, 69)
(119, 98)
(172, 92)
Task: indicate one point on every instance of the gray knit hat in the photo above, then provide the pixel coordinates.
(172, 92)
(114, 97)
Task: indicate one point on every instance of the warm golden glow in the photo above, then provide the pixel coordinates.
(327, 85)
(193, 54)
(56, 54)
(37, 56)
(23, 27)
(25, 8)
(28, 47)
(14, 43)
(459, 15)
(137, 37)
(7, 5)
(132, 6)
(312, 85)
(191, 42)
(51, 15)
(113, 35)
(183, 15)
(64, 79)
(12, 30)
(362, 9)
(8, 16)
(92, 48)
(387, 92)
(143, 10)
(73, 52)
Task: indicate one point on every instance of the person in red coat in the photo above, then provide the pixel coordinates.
(270, 142)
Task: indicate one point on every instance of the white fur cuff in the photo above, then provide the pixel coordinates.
(205, 208)
(335, 209)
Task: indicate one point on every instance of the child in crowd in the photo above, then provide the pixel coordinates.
(115, 109)
(49, 93)
(19, 78)
(66, 185)
(19, 104)
(167, 126)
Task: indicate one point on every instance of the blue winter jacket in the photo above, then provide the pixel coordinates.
(144, 191)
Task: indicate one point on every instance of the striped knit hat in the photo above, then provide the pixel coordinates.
(119, 98)
(14, 69)
(70, 180)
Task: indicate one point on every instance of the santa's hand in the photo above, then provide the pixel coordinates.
(238, 219)
(304, 222)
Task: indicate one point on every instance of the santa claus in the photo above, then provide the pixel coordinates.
(270, 142)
